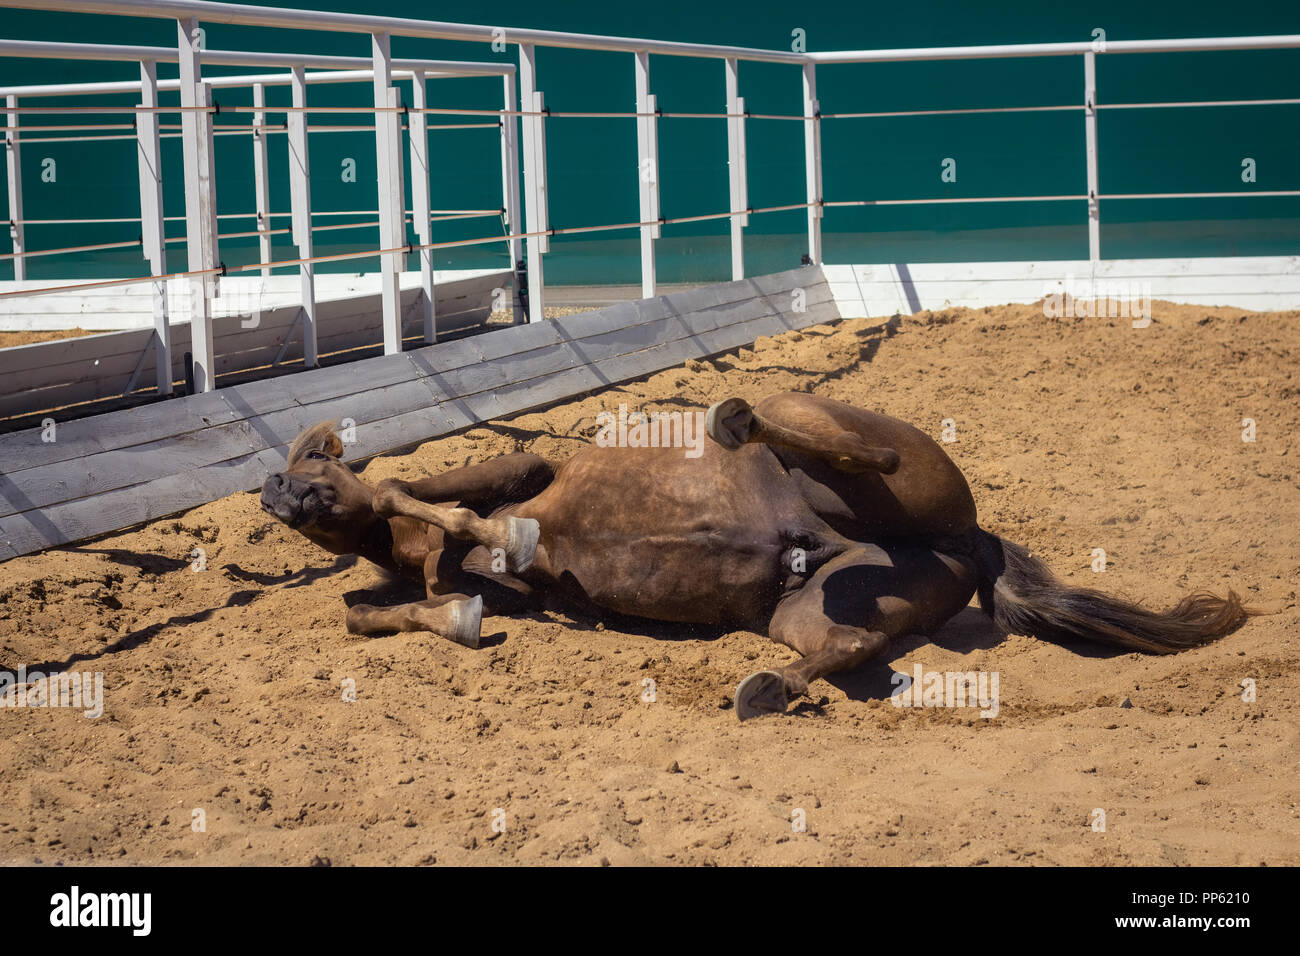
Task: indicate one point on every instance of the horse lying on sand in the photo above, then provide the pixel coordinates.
(827, 527)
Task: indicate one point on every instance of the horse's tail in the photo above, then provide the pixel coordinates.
(1022, 596)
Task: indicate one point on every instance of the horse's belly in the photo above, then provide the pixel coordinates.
(709, 577)
(654, 534)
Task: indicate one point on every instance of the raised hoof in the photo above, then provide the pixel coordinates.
(729, 423)
(467, 621)
(761, 693)
(521, 545)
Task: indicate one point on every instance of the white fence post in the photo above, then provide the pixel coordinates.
(420, 203)
(647, 172)
(1090, 128)
(392, 198)
(13, 152)
(510, 184)
(200, 200)
(812, 145)
(534, 178)
(152, 233)
(736, 168)
(300, 211)
(261, 182)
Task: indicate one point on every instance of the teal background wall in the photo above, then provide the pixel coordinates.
(593, 167)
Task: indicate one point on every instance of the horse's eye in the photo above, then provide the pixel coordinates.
(318, 455)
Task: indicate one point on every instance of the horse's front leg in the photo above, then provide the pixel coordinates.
(516, 538)
(457, 617)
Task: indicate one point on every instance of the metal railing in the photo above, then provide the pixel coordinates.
(528, 110)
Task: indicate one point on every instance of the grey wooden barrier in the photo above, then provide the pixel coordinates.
(111, 471)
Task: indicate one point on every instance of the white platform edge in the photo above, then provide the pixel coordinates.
(1258, 283)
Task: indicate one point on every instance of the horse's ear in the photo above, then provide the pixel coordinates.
(320, 437)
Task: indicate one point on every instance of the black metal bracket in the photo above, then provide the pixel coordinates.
(521, 287)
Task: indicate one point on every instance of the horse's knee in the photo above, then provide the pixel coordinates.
(854, 645)
(387, 495)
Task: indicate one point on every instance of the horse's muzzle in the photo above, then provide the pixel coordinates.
(285, 498)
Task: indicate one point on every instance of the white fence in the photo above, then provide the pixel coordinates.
(529, 110)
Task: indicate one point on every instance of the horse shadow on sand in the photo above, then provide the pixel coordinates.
(158, 564)
(970, 630)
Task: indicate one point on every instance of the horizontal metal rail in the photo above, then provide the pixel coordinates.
(957, 112)
(229, 131)
(941, 200)
(240, 81)
(287, 18)
(436, 214)
(46, 49)
(399, 26)
(1075, 48)
(1195, 103)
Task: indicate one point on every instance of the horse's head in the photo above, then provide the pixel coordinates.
(318, 495)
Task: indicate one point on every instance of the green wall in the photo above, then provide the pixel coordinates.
(592, 162)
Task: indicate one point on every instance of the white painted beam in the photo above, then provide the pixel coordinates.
(737, 174)
(647, 172)
(200, 201)
(152, 230)
(812, 145)
(1090, 133)
(300, 210)
(14, 171)
(261, 179)
(534, 180)
(510, 185)
(392, 200)
(420, 201)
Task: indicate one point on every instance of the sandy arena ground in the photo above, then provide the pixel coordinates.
(223, 688)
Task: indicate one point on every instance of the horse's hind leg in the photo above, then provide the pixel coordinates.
(799, 425)
(848, 611)
(456, 617)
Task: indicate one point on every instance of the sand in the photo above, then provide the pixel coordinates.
(29, 337)
(224, 688)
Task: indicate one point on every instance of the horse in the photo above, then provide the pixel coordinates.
(829, 528)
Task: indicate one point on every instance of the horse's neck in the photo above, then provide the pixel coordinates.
(376, 545)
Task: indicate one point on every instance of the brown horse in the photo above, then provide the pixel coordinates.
(827, 527)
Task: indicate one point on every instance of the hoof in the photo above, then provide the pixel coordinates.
(466, 621)
(761, 693)
(356, 614)
(729, 423)
(521, 545)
